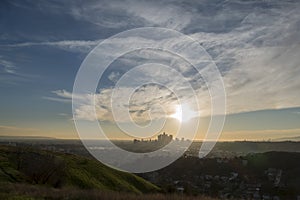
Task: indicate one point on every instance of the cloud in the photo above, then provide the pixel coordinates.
(7, 66)
(266, 81)
(61, 96)
(259, 62)
(141, 102)
(58, 99)
(10, 73)
(164, 14)
(114, 76)
(255, 44)
(83, 46)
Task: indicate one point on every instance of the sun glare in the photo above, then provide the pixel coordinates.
(184, 113)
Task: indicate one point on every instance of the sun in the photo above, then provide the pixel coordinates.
(184, 113)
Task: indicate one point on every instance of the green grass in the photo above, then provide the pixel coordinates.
(58, 170)
(31, 174)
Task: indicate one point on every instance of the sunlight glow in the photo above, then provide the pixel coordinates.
(184, 113)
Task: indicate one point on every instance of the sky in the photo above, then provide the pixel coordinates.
(254, 44)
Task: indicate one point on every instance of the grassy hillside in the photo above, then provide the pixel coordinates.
(58, 170)
(30, 174)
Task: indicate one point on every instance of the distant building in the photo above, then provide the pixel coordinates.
(164, 138)
(161, 139)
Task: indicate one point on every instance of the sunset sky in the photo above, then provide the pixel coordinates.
(255, 45)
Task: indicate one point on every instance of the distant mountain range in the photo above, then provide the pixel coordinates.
(296, 139)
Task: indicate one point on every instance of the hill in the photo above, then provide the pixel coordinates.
(19, 165)
(31, 174)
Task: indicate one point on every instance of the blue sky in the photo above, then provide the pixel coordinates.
(255, 44)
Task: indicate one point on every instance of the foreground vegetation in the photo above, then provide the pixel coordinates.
(31, 174)
(37, 192)
(59, 170)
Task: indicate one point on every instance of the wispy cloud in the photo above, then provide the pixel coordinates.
(10, 73)
(259, 61)
(7, 66)
(255, 44)
(83, 46)
(58, 99)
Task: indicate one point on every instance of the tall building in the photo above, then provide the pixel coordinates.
(164, 138)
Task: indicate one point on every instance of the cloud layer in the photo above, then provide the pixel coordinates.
(255, 44)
